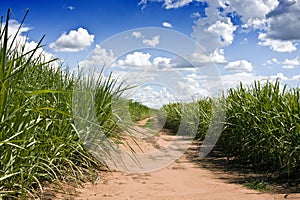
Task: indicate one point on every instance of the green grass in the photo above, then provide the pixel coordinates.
(261, 186)
(262, 126)
(149, 124)
(189, 117)
(39, 141)
(41, 109)
(138, 111)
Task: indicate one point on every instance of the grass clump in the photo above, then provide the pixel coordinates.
(262, 127)
(138, 111)
(38, 139)
(259, 185)
(190, 117)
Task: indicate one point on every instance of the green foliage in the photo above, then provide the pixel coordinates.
(188, 116)
(172, 113)
(138, 111)
(261, 186)
(38, 138)
(263, 126)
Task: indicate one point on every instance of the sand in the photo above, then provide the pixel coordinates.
(183, 179)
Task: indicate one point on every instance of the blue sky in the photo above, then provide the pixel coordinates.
(246, 40)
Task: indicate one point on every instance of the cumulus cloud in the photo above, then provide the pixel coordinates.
(99, 57)
(247, 78)
(276, 45)
(13, 26)
(296, 77)
(221, 32)
(217, 31)
(167, 24)
(295, 61)
(284, 21)
(176, 3)
(224, 30)
(272, 61)
(251, 11)
(152, 42)
(22, 43)
(280, 76)
(137, 34)
(239, 65)
(291, 63)
(218, 56)
(71, 8)
(288, 66)
(162, 62)
(140, 59)
(154, 98)
(232, 80)
(255, 24)
(137, 59)
(75, 40)
(192, 86)
(195, 15)
(214, 31)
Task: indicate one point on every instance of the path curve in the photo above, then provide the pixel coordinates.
(184, 179)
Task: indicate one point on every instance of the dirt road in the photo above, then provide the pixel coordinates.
(184, 179)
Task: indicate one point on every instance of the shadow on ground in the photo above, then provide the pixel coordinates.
(235, 171)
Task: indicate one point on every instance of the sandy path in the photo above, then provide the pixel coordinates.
(184, 179)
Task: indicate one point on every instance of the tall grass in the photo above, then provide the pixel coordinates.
(262, 126)
(189, 116)
(138, 111)
(38, 139)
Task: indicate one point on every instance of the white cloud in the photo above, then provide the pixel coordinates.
(71, 8)
(295, 61)
(13, 26)
(233, 80)
(224, 30)
(245, 41)
(288, 66)
(137, 34)
(99, 57)
(280, 76)
(75, 40)
(296, 77)
(255, 24)
(218, 56)
(137, 59)
(162, 62)
(152, 42)
(176, 3)
(276, 45)
(239, 65)
(192, 87)
(214, 31)
(272, 61)
(22, 44)
(167, 24)
(154, 98)
(283, 21)
(140, 59)
(251, 10)
(195, 15)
